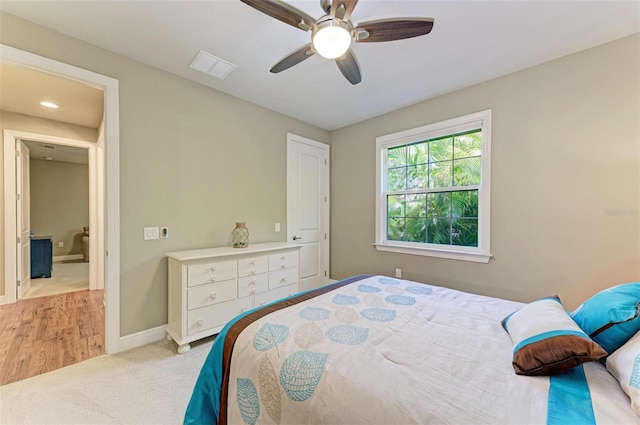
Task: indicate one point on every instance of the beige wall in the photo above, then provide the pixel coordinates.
(565, 181)
(191, 158)
(18, 122)
(60, 203)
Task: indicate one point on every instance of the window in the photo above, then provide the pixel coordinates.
(433, 189)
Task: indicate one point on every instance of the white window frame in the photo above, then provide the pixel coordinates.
(481, 253)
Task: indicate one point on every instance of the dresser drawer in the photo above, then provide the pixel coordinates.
(252, 285)
(252, 266)
(283, 278)
(197, 274)
(276, 294)
(211, 293)
(284, 260)
(204, 318)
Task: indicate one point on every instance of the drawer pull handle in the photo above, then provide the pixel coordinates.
(200, 322)
(283, 266)
(284, 279)
(213, 279)
(283, 258)
(213, 295)
(253, 291)
(213, 268)
(253, 282)
(253, 272)
(263, 303)
(253, 262)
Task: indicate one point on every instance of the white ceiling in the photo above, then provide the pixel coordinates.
(472, 41)
(54, 152)
(23, 89)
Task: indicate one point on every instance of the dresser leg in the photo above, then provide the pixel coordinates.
(169, 338)
(184, 348)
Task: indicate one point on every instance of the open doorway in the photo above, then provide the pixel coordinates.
(59, 220)
(105, 180)
(58, 318)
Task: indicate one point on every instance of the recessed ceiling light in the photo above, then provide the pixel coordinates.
(49, 105)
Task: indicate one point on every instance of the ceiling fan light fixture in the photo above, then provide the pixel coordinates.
(331, 38)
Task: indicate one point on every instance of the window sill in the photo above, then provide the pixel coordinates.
(475, 257)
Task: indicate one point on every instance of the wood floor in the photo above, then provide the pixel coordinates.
(42, 334)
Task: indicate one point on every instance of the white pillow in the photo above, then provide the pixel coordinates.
(624, 364)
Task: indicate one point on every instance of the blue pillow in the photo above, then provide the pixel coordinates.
(546, 341)
(612, 316)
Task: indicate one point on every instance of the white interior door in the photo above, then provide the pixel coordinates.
(308, 207)
(23, 210)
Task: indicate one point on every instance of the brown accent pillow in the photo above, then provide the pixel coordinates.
(547, 341)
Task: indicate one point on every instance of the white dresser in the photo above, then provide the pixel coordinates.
(208, 287)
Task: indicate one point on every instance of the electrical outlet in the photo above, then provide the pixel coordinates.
(277, 227)
(164, 233)
(60, 244)
(398, 272)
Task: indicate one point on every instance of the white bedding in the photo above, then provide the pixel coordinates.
(387, 351)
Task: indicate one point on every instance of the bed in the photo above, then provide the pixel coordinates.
(377, 350)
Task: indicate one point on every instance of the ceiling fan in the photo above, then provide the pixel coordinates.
(332, 34)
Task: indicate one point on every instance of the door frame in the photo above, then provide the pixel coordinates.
(107, 183)
(96, 219)
(291, 138)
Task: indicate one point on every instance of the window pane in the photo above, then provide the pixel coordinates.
(440, 174)
(416, 229)
(439, 230)
(418, 154)
(464, 231)
(397, 156)
(395, 206)
(417, 205)
(397, 179)
(468, 145)
(433, 182)
(395, 229)
(441, 149)
(466, 171)
(439, 204)
(465, 204)
(417, 176)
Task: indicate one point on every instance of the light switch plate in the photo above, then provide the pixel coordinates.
(151, 233)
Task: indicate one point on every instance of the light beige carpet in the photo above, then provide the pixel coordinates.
(147, 385)
(65, 277)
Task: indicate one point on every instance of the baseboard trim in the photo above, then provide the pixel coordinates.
(3, 299)
(138, 339)
(69, 257)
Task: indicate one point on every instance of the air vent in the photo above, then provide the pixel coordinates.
(212, 65)
(48, 146)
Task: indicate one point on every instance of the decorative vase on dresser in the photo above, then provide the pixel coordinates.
(208, 287)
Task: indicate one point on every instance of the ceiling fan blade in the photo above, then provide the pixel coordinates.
(342, 9)
(393, 29)
(283, 12)
(348, 65)
(293, 59)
